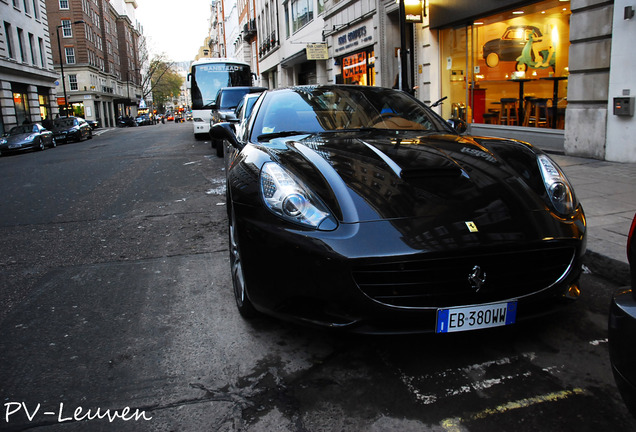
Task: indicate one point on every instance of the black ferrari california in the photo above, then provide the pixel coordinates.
(360, 208)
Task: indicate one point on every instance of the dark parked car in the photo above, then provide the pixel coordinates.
(223, 109)
(360, 208)
(94, 124)
(622, 331)
(510, 45)
(66, 129)
(32, 136)
(144, 120)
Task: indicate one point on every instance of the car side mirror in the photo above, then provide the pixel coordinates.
(225, 131)
(458, 124)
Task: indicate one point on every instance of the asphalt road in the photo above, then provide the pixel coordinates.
(116, 314)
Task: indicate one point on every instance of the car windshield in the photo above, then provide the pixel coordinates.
(64, 122)
(338, 108)
(23, 129)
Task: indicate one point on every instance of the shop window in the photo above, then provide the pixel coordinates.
(358, 68)
(21, 104)
(510, 68)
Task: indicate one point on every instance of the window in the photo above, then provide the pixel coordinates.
(41, 45)
(63, 4)
(21, 45)
(9, 37)
(70, 55)
(26, 7)
(36, 10)
(67, 30)
(32, 48)
(302, 13)
(72, 82)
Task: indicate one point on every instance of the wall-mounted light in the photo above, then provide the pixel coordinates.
(629, 12)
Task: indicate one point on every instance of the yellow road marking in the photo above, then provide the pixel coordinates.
(454, 424)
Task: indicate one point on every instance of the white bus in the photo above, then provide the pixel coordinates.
(206, 78)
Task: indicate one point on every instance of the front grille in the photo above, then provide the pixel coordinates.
(443, 281)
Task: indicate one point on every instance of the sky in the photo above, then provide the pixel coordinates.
(176, 28)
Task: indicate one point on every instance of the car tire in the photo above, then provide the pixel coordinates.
(219, 148)
(41, 145)
(492, 59)
(90, 134)
(53, 143)
(243, 303)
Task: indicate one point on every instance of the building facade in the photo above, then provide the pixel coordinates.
(27, 76)
(551, 72)
(98, 50)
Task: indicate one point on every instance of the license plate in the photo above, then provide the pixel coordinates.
(476, 317)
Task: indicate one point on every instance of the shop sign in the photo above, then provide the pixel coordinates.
(413, 11)
(354, 65)
(317, 51)
(352, 39)
(61, 101)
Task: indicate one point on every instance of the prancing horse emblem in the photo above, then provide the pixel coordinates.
(477, 278)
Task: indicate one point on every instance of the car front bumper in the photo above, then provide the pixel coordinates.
(376, 277)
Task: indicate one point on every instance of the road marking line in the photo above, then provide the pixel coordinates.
(454, 424)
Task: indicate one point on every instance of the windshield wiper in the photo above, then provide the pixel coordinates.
(269, 136)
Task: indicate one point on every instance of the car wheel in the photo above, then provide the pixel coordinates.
(243, 303)
(41, 145)
(492, 59)
(90, 134)
(53, 143)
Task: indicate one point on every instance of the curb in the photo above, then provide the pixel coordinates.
(608, 268)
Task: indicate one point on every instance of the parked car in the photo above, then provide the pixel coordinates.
(359, 208)
(223, 109)
(243, 111)
(622, 330)
(94, 124)
(32, 136)
(144, 120)
(66, 129)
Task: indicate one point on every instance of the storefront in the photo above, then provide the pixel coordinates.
(354, 55)
(507, 69)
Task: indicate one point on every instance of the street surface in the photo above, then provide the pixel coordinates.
(117, 314)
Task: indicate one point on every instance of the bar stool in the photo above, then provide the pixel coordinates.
(508, 113)
(538, 114)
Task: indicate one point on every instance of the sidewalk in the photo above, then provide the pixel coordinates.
(607, 191)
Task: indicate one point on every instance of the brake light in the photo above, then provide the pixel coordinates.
(630, 238)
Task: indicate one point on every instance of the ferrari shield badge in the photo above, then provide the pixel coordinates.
(471, 226)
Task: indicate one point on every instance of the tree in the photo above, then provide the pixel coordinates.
(162, 80)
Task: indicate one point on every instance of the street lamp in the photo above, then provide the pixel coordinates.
(59, 48)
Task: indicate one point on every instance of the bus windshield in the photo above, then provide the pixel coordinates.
(208, 79)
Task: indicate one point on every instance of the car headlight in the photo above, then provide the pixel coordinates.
(291, 200)
(559, 190)
(3, 141)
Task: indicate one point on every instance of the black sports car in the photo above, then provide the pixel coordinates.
(622, 330)
(67, 129)
(359, 207)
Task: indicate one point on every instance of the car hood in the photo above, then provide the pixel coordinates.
(441, 178)
(13, 139)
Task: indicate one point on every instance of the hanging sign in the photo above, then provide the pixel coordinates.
(317, 51)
